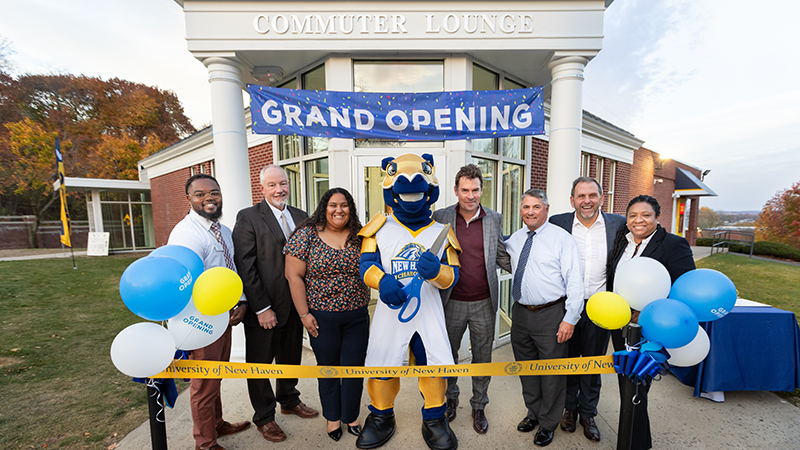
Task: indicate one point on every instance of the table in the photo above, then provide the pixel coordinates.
(752, 349)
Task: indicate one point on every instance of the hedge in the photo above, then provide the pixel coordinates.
(762, 248)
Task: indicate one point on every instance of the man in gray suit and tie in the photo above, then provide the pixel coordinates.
(272, 327)
(594, 232)
(472, 301)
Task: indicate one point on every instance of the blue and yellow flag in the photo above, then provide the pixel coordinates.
(66, 228)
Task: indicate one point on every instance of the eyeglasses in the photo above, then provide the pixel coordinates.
(200, 195)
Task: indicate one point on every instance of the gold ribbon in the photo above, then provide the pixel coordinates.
(222, 369)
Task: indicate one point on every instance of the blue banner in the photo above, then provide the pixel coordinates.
(399, 116)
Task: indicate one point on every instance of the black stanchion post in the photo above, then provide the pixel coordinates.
(632, 334)
(158, 424)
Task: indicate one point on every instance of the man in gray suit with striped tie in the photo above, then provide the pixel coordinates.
(472, 301)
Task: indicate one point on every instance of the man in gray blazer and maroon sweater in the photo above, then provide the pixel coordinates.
(594, 232)
(272, 327)
(473, 300)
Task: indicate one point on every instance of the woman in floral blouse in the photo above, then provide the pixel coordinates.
(322, 257)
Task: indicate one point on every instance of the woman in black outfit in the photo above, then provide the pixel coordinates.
(645, 237)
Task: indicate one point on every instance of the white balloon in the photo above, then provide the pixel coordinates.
(142, 350)
(192, 329)
(641, 281)
(693, 352)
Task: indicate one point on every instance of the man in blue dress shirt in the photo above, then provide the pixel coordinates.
(548, 300)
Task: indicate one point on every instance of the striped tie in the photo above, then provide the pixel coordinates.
(516, 290)
(218, 234)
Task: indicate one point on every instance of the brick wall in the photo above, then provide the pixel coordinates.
(651, 175)
(622, 188)
(539, 154)
(169, 202)
(642, 171)
(259, 156)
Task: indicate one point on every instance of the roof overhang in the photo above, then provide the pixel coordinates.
(79, 184)
(687, 184)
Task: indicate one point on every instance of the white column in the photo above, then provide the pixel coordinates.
(341, 163)
(230, 153)
(566, 116)
(232, 168)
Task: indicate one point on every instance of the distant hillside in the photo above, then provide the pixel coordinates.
(737, 217)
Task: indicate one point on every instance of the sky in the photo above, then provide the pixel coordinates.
(711, 83)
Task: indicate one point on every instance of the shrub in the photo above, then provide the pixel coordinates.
(703, 242)
(777, 250)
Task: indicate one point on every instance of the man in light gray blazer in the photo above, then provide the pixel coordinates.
(473, 300)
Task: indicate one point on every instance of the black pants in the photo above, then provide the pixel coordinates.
(284, 345)
(641, 420)
(583, 391)
(342, 341)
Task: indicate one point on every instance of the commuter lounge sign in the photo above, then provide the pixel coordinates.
(397, 116)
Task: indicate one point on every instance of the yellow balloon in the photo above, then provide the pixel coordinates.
(608, 310)
(217, 290)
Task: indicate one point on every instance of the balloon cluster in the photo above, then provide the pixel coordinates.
(171, 285)
(670, 315)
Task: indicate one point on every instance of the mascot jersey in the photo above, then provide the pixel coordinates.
(400, 249)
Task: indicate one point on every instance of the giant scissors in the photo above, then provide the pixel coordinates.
(412, 289)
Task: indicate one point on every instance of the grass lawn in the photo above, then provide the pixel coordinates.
(769, 282)
(773, 283)
(59, 388)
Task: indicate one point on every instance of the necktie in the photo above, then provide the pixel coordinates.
(516, 290)
(285, 226)
(636, 250)
(218, 235)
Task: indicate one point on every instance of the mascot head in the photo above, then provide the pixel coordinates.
(410, 186)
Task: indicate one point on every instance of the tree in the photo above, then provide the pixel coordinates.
(708, 218)
(29, 169)
(779, 220)
(105, 126)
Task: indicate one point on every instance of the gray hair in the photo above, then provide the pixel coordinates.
(537, 193)
(585, 180)
(264, 171)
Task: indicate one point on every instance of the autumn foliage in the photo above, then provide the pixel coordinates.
(105, 127)
(779, 220)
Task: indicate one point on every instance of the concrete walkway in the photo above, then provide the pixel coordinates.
(747, 420)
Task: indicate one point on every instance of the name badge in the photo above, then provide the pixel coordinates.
(218, 247)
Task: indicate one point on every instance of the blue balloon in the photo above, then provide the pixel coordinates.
(668, 322)
(709, 293)
(183, 255)
(156, 287)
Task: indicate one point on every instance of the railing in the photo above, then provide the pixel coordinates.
(722, 240)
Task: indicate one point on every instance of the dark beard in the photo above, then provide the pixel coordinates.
(210, 216)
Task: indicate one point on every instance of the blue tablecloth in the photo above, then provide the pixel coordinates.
(752, 349)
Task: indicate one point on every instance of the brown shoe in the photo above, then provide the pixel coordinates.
(590, 429)
(301, 410)
(213, 447)
(272, 432)
(228, 428)
(479, 422)
(568, 421)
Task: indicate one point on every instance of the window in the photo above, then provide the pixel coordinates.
(502, 162)
(612, 175)
(305, 158)
(585, 161)
(398, 76)
(599, 170)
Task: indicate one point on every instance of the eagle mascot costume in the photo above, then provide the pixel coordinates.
(399, 259)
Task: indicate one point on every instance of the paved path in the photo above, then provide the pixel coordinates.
(746, 420)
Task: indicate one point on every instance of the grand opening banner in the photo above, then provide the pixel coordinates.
(397, 116)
